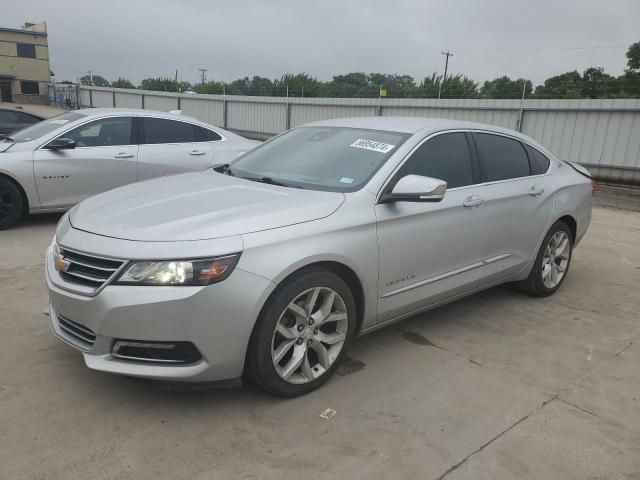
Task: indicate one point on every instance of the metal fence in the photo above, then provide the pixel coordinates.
(601, 134)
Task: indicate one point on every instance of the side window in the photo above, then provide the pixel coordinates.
(206, 135)
(26, 50)
(28, 87)
(445, 157)
(160, 130)
(539, 162)
(501, 158)
(102, 133)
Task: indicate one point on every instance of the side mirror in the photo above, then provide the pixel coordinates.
(416, 188)
(61, 144)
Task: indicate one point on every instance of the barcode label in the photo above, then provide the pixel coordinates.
(372, 145)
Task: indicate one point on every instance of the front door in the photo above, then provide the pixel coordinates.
(171, 146)
(105, 157)
(431, 251)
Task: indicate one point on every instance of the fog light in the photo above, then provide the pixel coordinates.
(161, 352)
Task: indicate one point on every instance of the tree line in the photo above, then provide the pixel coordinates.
(593, 82)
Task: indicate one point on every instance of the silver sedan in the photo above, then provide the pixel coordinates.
(268, 267)
(59, 162)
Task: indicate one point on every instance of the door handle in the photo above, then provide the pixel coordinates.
(473, 201)
(536, 191)
(197, 152)
(123, 155)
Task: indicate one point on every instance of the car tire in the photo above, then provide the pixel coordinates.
(280, 328)
(552, 262)
(11, 204)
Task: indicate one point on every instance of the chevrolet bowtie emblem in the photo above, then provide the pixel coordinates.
(60, 263)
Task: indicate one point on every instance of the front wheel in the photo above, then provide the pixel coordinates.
(552, 262)
(303, 333)
(11, 204)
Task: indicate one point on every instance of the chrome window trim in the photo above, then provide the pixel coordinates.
(459, 130)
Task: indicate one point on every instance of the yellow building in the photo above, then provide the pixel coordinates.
(24, 64)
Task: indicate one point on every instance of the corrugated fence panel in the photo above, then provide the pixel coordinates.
(603, 134)
(210, 111)
(128, 100)
(162, 103)
(306, 113)
(102, 98)
(256, 116)
(84, 97)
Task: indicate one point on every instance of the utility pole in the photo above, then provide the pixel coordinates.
(204, 72)
(90, 77)
(446, 67)
(177, 88)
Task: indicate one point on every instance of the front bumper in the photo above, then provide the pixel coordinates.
(217, 319)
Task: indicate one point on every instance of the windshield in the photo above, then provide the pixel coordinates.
(44, 127)
(334, 159)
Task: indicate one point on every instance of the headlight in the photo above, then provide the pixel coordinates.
(179, 272)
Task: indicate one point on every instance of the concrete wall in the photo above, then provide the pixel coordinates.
(601, 134)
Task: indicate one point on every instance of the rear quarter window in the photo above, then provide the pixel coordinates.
(539, 162)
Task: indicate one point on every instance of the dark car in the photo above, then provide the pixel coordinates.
(12, 119)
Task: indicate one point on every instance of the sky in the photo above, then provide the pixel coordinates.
(137, 39)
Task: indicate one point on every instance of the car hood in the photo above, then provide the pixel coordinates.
(16, 147)
(198, 206)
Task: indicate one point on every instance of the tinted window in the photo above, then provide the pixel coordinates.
(26, 50)
(539, 163)
(501, 158)
(445, 157)
(206, 135)
(102, 133)
(160, 130)
(29, 88)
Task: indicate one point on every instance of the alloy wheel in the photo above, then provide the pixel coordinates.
(309, 335)
(556, 259)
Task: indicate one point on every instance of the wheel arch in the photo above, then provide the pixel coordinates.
(345, 272)
(571, 223)
(23, 193)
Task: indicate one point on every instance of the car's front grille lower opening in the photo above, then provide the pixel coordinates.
(158, 352)
(87, 270)
(79, 334)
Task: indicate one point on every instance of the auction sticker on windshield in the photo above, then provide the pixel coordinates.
(372, 145)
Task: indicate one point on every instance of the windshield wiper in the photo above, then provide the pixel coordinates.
(225, 168)
(271, 181)
(8, 139)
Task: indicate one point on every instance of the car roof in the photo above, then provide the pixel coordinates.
(133, 111)
(412, 125)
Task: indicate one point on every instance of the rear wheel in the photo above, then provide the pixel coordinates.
(11, 204)
(302, 335)
(552, 263)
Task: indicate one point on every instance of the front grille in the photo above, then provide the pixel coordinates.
(76, 333)
(88, 270)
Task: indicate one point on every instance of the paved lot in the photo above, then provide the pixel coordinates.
(499, 385)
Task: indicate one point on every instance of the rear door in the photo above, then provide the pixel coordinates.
(172, 146)
(105, 157)
(518, 202)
